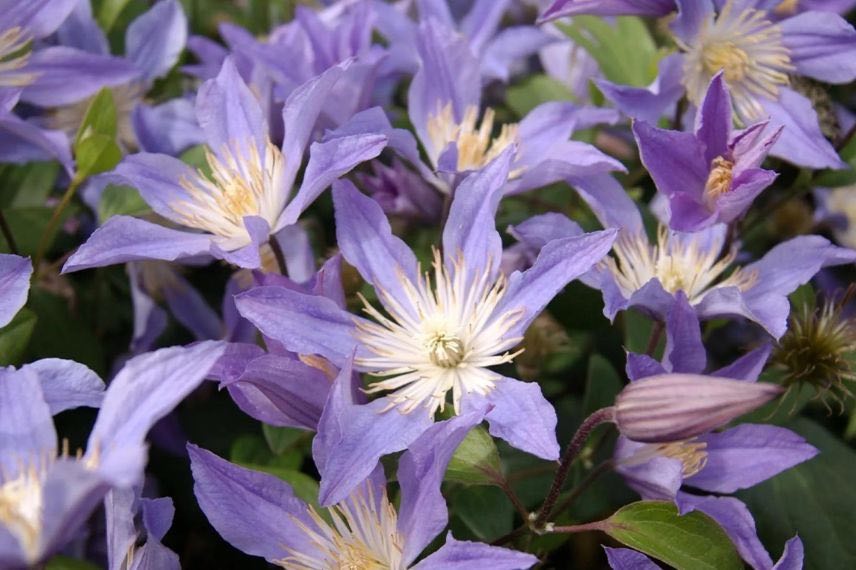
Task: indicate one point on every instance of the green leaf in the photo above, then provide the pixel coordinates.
(816, 499)
(624, 49)
(693, 541)
(535, 90)
(637, 331)
(476, 461)
(63, 332)
(109, 11)
(67, 563)
(95, 147)
(485, 511)
(280, 439)
(803, 296)
(602, 385)
(15, 337)
(124, 200)
(27, 185)
(28, 225)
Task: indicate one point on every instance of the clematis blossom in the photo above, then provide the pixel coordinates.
(260, 514)
(712, 175)
(717, 462)
(439, 335)
(231, 212)
(761, 55)
(45, 494)
(15, 272)
(700, 264)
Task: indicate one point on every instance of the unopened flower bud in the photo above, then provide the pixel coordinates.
(672, 407)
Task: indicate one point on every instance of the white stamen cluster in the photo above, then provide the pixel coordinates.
(14, 55)
(748, 48)
(237, 186)
(440, 337)
(363, 536)
(690, 452)
(21, 506)
(678, 262)
(475, 143)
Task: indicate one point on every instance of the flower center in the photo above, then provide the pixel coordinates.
(21, 508)
(748, 48)
(438, 337)
(692, 454)
(680, 262)
(475, 144)
(14, 55)
(236, 186)
(363, 536)
(719, 179)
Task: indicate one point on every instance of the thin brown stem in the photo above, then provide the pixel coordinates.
(506, 538)
(575, 493)
(583, 432)
(53, 223)
(278, 254)
(515, 500)
(7, 233)
(597, 525)
(845, 140)
(654, 339)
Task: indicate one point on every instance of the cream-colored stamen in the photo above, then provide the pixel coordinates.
(719, 179)
(14, 56)
(475, 143)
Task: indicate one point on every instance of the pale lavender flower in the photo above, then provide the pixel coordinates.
(441, 335)
(260, 515)
(15, 272)
(231, 212)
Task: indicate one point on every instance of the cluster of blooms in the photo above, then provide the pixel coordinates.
(424, 352)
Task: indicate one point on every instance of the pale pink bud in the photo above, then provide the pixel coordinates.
(672, 407)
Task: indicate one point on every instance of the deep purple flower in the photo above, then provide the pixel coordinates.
(441, 335)
(46, 496)
(647, 275)
(712, 175)
(259, 514)
(234, 210)
(758, 53)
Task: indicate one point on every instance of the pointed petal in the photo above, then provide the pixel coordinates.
(15, 274)
(792, 557)
(67, 384)
(523, 417)
(26, 426)
(464, 555)
(154, 41)
(713, 121)
(675, 159)
(821, 45)
(747, 367)
(626, 559)
(123, 238)
(684, 348)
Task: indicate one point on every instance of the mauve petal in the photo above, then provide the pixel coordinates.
(190, 309)
(231, 116)
(626, 559)
(168, 128)
(713, 120)
(306, 324)
(538, 231)
(510, 46)
(11, 552)
(641, 366)
(792, 557)
(352, 438)
(745, 188)
(648, 103)
(609, 201)
(26, 426)
(67, 384)
(123, 238)
(558, 263)
(470, 232)
(482, 21)
(67, 75)
(281, 391)
(743, 456)
(366, 241)
(158, 178)
(658, 478)
(692, 16)
(747, 367)
(801, 141)
(154, 41)
(689, 213)
(120, 506)
(328, 161)
(675, 159)
(821, 45)
(255, 512)
(737, 522)
(15, 272)
(522, 417)
(25, 141)
(423, 514)
(751, 145)
(465, 555)
(561, 8)
(153, 555)
(146, 389)
(449, 75)
(38, 17)
(684, 348)
(249, 255)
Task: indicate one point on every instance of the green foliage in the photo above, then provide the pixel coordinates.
(624, 50)
(476, 461)
(15, 337)
(602, 385)
(816, 499)
(109, 11)
(68, 563)
(484, 511)
(692, 542)
(95, 146)
(120, 200)
(533, 91)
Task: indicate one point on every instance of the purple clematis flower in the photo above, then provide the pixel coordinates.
(122, 508)
(758, 54)
(647, 276)
(717, 462)
(260, 515)
(440, 336)
(45, 497)
(443, 103)
(712, 175)
(25, 141)
(231, 212)
(15, 274)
